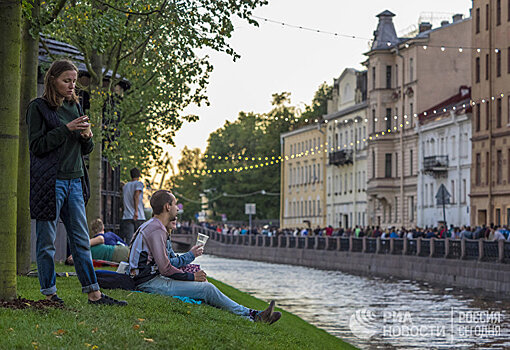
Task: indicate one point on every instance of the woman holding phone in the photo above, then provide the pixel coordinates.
(59, 136)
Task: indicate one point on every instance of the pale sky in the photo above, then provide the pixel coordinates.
(276, 58)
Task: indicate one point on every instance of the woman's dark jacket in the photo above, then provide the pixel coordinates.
(43, 171)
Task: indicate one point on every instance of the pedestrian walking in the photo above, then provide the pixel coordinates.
(134, 215)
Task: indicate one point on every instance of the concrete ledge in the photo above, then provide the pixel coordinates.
(473, 274)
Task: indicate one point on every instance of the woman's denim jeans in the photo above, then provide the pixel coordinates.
(195, 290)
(71, 208)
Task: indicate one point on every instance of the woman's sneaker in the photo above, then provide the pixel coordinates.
(106, 300)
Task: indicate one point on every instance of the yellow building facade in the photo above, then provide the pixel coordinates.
(303, 178)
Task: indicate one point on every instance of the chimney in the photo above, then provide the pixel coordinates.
(444, 23)
(424, 26)
(457, 17)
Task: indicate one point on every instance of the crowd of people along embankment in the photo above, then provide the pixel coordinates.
(490, 233)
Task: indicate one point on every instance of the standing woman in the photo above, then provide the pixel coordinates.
(59, 136)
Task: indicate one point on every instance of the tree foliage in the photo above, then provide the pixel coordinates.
(187, 183)
(153, 45)
(256, 137)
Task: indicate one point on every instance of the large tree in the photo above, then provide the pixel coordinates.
(153, 45)
(33, 21)
(250, 146)
(10, 46)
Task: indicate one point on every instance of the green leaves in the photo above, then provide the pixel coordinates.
(150, 44)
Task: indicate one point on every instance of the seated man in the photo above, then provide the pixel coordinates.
(106, 246)
(153, 272)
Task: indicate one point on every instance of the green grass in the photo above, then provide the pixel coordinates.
(149, 321)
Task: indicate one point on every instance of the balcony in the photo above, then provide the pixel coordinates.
(340, 157)
(435, 164)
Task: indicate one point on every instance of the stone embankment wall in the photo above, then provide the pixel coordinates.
(468, 264)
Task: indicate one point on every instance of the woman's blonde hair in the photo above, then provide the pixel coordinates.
(96, 226)
(50, 94)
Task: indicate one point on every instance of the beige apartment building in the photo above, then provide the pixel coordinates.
(303, 178)
(346, 163)
(406, 76)
(490, 172)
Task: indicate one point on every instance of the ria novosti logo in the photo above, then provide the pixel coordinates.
(363, 324)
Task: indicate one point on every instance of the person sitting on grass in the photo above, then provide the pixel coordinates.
(152, 270)
(106, 245)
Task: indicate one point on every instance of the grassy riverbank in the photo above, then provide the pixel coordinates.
(150, 321)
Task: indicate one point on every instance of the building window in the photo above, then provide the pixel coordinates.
(373, 77)
(498, 216)
(498, 112)
(396, 75)
(464, 190)
(499, 169)
(477, 117)
(426, 199)
(477, 20)
(396, 209)
(387, 167)
(388, 118)
(508, 18)
(487, 115)
(498, 63)
(498, 12)
(477, 70)
(487, 166)
(454, 147)
(453, 191)
(411, 208)
(508, 167)
(373, 164)
(508, 105)
(373, 121)
(508, 57)
(487, 17)
(411, 162)
(487, 67)
(432, 195)
(388, 77)
(411, 69)
(396, 164)
(478, 171)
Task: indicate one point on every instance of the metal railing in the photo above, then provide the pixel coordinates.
(341, 157)
(465, 249)
(435, 163)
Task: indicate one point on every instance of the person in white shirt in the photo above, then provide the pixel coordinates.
(134, 215)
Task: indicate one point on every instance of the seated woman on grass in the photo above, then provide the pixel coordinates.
(106, 245)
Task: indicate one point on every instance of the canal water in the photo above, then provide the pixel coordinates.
(372, 312)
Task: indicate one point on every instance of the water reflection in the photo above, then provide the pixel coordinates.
(412, 315)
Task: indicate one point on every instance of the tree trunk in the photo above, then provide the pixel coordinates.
(29, 64)
(95, 158)
(10, 46)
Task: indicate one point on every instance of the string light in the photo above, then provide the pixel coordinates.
(272, 160)
(388, 44)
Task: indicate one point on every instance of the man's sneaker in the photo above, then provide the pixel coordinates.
(265, 316)
(56, 299)
(275, 317)
(106, 300)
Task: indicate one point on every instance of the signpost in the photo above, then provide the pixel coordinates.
(443, 198)
(250, 209)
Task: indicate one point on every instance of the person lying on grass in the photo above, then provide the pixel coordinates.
(106, 245)
(153, 272)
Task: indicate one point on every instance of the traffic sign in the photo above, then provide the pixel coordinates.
(249, 209)
(442, 196)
